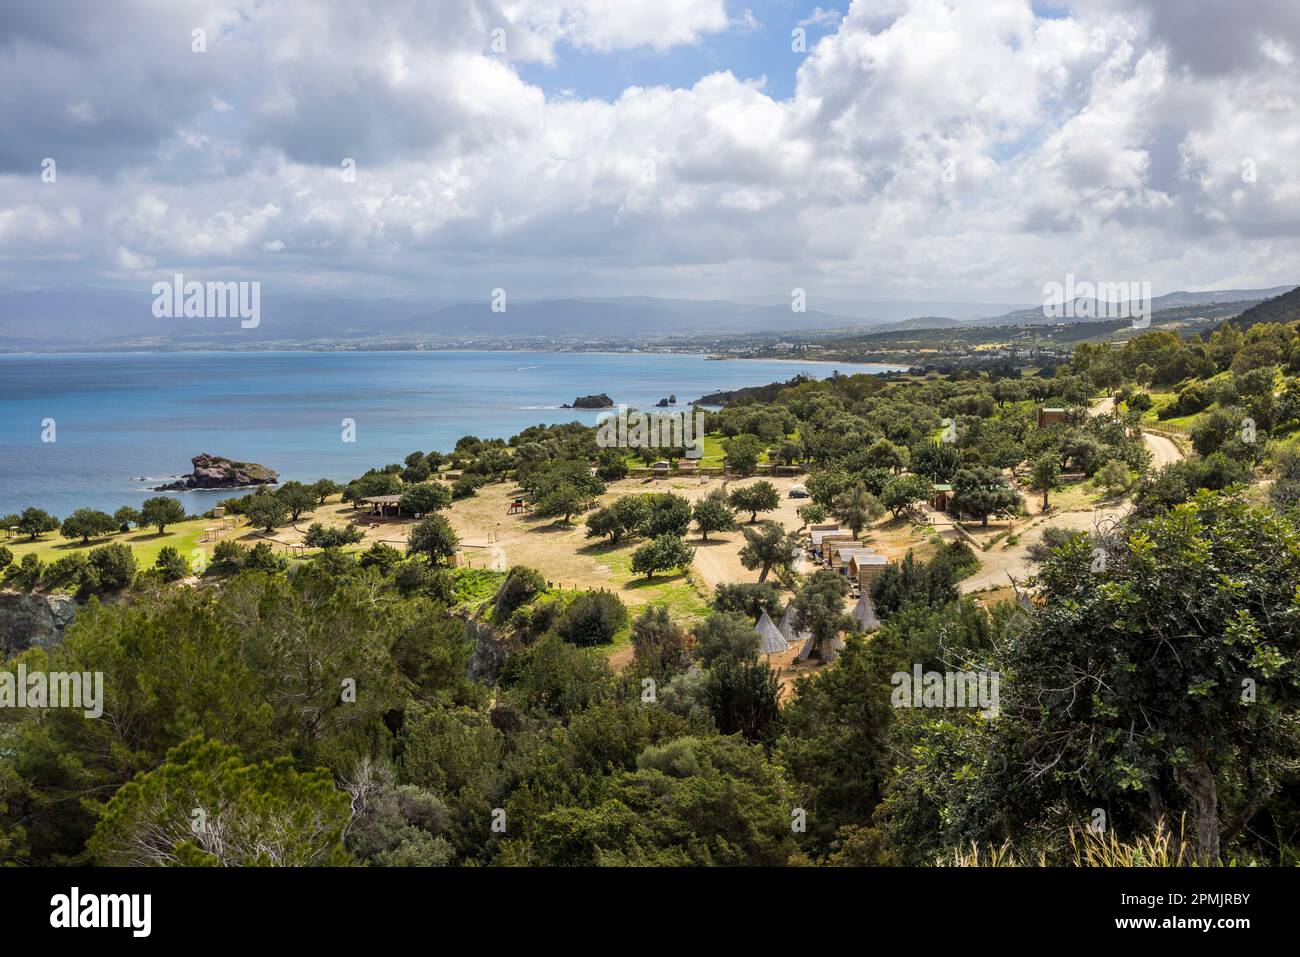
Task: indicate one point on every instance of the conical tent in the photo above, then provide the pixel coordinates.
(827, 652)
(864, 613)
(770, 639)
(790, 623)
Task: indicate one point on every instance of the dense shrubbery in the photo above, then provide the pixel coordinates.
(329, 709)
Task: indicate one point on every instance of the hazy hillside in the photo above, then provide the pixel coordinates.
(1173, 300)
(1283, 308)
(68, 317)
(74, 317)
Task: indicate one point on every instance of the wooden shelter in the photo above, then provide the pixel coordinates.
(866, 568)
(1050, 417)
(384, 506)
(942, 495)
(841, 555)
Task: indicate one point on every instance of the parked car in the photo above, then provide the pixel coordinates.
(797, 491)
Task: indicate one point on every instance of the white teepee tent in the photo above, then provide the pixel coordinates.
(790, 623)
(770, 639)
(864, 612)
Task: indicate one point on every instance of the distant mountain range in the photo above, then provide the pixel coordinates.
(83, 317)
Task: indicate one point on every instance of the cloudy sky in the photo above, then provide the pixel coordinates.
(906, 149)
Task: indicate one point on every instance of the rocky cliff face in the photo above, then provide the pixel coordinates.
(490, 651)
(213, 471)
(27, 620)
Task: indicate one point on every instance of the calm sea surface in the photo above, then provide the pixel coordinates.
(127, 422)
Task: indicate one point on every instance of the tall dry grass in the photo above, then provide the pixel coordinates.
(1088, 849)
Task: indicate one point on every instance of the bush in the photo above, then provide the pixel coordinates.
(1139, 402)
(1053, 537)
(172, 564)
(959, 558)
(539, 617)
(112, 567)
(6, 556)
(416, 576)
(69, 571)
(27, 573)
(1191, 400)
(593, 618)
(466, 486)
(381, 556)
(661, 646)
(725, 635)
(229, 556)
(263, 558)
(1114, 477)
(324, 536)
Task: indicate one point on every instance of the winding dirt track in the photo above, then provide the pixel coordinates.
(1163, 451)
(1001, 564)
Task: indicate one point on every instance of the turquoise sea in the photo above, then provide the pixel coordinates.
(126, 422)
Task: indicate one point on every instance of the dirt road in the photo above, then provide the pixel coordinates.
(1002, 563)
(1163, 451)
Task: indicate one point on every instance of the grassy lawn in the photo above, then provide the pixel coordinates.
(713, 453)
(474, 586)
(144, 543)
(1160, 400)
(1076, 496)
(677, 591)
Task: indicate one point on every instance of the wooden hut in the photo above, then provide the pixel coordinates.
(866, 568)
(841, 555)
(1050, 417)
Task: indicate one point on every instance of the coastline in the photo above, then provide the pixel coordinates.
(146, 414)
(705, 354)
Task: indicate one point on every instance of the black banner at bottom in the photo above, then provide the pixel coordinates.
(225, 906)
